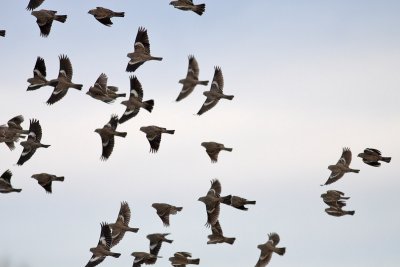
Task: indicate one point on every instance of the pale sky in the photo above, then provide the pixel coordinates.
(309, 78)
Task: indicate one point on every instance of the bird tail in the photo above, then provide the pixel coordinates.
(229, 97)
(59, 178)
(121, 134)
(353, 170)
(168, 240)
(115, 255)
(386, 159)
(199, 9)
(226, 200)
(194, 261)
(250, 202)
(3, 33)
(121, 95)
(119, 14)
(350, 212)
(229, 240)
(61, 18)
(228, 149)
(280, 251)
(148, 105)
(45, 146)
(169, 131)
(156, 58)
(203, 83)
(16, 190)
(77, 86)
(135, 230)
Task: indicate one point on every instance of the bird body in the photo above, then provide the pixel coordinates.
(45, 18)
(153, 135)
(104, 15)
(143, 257)
(237, 202)
(268, 248)
(12, 132)
(107, 134)
(121, 225)
(187, 5)
(217, 235)
(372, 156)
(39, 75)
(164, 210)
(5, 183)
(45, 180)
(338, 212)
(213, 149)
(212, 201)
(156, 241)
(101, 91)
(181, 259)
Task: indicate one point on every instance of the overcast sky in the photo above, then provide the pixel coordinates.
(309, 78)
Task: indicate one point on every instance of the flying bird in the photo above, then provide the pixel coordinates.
(341, 167)
(5, 183)
(372, 156)
(135, 101)
(141, 52)
(334, 198)
(213, 149)
(143, 257)
(268, 248)
(103, 247)
(153, 135)
(107, 134)
(12, 132)
(156, 241)
(2, 33)
(101, 91)
(34, 4)
(237, 202)
(187, 5)
(63, 82)
(104, 15)
(181, 259)
(338, 212)
(121, 225)
(217, 236)
(46, 180)
(212, 201)
(32, 143)
(164, 210)
(191, 80)
(45, 18)
(215, 93)
(39, 75)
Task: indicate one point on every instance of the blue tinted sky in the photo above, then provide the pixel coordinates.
(309, 77)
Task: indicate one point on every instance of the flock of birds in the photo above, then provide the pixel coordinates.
(112, 234)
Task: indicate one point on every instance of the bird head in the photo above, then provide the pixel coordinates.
(89, 92)
(172, 3)
(143, 129)
(35, 13)
(97, 130)
(125, 102)
(34, 176)
(182, 81)
(331, 167)
(360, 155)
(91, 11)
(260, 246)
(202, 199)
(93, 250)
(204, 144)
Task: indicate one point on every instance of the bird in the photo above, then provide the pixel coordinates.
(3, 33)
(215, 93)
(180, 259)
(372, 156)
(141, 51)
(153, 135)
(237, 202)
(32, 143)
(39, 75)
(191, 80)
(63, 82)
(45, 180)
(104, 15)
(268, 248)
(102, 250)
(45, 18)
(212, 201)
(156, 241)
(164, 210)
(12, 132)
(334, 198)
(34, 4)
(5, 183)
(101, 91)
(338, 212)
(107, 134)
(187, 5)
(341, 167)
(135, 101)
(213, 149)
(143, 257)
(121, 225)
(217, 236)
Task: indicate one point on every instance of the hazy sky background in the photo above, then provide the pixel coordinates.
(309, 78)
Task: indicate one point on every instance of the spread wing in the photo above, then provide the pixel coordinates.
(16, 122)
(113, 123)
(45, 27)
(34, 4)
(56, 96)
(40, 68)
(212, 214)
(154, 140)
(218, 81)
(213, 154)
(142, 43)
(335, 175)
(65, 67)
(136, 88)
(208, 104)
(193, 68)
(6, 176)
(345, 159)
(372, 151)
(101, 83)
(35, 131)
(107, 145)
(95, 260)
(216, 229)
(105, 236)
(215, 189)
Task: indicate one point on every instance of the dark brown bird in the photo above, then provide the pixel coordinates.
(39, 75)
(156, 241)
(212, 201)
(191, 80)
(12, 132)
(34, 4)
(213, 149)
(101, 91)
(141, 52)
(341, 167)
(334, 198)
(268, 248)
(153, 135)
(135, 101)
(217, 235)
(121, 226)
(338, 212)
(164, 210)
(32, 143)
(3, 33)
(104, 15)
(215, 93)
(181, 259)
(107, 134)
(372, 156)
(5, 183)
(143, 257)
(187, 5)
(103, 247)
(237, 202)
(63, 82)
(45, 180)
(45, 18)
